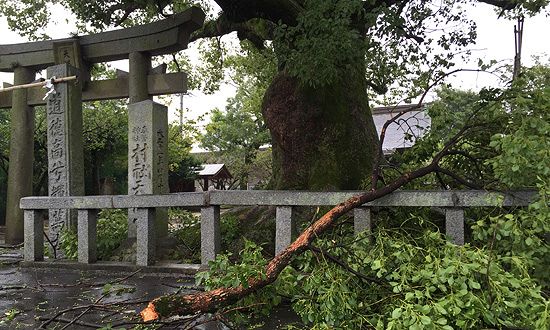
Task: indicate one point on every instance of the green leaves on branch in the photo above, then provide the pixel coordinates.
(112, 230)
(523, 149)
(29, 17)
(409, 280)
(323, 43)
(224, 273)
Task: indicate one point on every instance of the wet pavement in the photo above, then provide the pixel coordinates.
(62, 298)
(30, 298)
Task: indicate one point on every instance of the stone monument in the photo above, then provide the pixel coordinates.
(138, 44)
(65, 149)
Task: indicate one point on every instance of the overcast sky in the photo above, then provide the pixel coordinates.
(495, 41)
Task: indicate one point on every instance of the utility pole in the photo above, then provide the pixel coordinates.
(518, 36)
(181, 113)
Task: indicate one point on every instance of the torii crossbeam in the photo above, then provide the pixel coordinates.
(137, 44)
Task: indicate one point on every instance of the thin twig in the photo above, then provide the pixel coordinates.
(345, 266)
(81, 323)
(85, 311)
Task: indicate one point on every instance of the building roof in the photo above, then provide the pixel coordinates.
(403, 132)
(213, 170)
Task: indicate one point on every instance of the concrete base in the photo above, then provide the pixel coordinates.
(115, 266)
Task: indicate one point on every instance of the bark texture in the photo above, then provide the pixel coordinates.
(322, 138)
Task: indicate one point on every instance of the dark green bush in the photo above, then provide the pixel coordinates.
(112, 230)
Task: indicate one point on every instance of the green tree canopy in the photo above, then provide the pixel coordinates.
(331, 58)
(239, 131)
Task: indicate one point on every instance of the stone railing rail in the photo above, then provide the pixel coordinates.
(453, 202)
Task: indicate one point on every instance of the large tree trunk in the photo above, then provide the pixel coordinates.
(322, 138)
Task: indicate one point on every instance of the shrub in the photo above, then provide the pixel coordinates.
(112, 230)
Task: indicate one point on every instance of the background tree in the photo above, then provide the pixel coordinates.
(239, 132)
(404, 274)
(330, 56)
(182, 165)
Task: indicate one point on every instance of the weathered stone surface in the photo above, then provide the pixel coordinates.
(87, 236)
(362, 220)
(285, 228)
(65, 147)
(148, 157)
(454, 225)
(145, 250)
(266, 197)
(162, 37)
(34, 236)
(140, 65)
(21, 156)
(71, 202)
(398, 198)
(210, 233)
(180, 199)
(68, 52)
(109, 89)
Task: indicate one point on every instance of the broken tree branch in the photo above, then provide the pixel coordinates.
(212, 300)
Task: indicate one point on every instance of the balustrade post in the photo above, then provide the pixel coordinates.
(284, 228)
(362, 220)
(145, 236)
(33, 235)
(87, 236)
(210, 233)
(454, 225)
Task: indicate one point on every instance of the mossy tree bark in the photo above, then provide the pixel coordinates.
(322, 138)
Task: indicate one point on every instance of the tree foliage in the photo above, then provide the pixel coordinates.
(405, 274)
(401, 43)
(238, 132)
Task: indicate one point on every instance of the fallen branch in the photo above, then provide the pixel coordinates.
(210, 301)
(213, 300)
(80, 323)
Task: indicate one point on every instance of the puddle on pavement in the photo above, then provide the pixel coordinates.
(30, 297)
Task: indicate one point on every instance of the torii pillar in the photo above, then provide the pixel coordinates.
(20, 170)
(137, 43)
(147, 148)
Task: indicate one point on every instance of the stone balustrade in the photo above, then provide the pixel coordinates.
(453, 202)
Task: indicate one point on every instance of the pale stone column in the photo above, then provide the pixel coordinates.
(148, 158)
(87, 236)
(21, 156)
(285, 228)
(454, 225)
(146, 240)
(33, 249)
(362, 220)
(139, 65)
(210, 233)
(65, 147)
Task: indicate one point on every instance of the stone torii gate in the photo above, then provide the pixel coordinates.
(147, 136)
